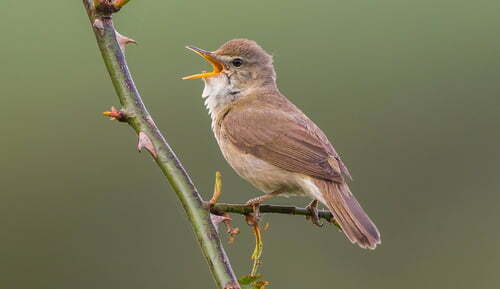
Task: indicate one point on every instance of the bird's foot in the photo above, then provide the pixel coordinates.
(255, 203)
(314, 217)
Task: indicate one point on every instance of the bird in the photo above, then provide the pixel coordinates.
(271, 143)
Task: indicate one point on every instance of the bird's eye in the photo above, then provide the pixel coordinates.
(237, 62)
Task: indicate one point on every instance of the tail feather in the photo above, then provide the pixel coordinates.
(349, 214)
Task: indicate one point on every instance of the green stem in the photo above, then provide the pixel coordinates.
(140, 120)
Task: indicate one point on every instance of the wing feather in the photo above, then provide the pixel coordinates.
(287, 140)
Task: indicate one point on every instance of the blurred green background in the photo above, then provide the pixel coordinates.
(408, 91)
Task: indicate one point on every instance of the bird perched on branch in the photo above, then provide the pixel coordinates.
(271, 143)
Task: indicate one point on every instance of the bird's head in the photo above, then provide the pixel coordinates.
(242, 61)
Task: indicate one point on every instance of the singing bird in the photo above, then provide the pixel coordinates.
(271, 143)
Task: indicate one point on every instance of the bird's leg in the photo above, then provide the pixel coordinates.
(314, 217)
(255, 202)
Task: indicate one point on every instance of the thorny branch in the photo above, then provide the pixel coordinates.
(112, 46)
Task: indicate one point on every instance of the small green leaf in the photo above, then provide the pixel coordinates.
(248, 279)
(252, 282)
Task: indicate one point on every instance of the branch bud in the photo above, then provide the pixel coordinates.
(115, 114)
(118, 4)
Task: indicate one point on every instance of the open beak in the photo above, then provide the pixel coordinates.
(217, 65)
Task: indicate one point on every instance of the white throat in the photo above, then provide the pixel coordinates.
(218, 92)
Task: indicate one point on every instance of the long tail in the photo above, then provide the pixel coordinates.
(349, 214)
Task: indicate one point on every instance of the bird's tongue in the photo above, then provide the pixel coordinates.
(217, 66)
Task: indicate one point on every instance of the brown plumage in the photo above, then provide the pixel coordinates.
(274, 145)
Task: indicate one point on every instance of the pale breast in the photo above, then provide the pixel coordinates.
(264, 176)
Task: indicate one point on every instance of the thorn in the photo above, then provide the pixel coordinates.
(145, 142)
(115, 114)
(99, 26)
(216, 219)
(123, 40)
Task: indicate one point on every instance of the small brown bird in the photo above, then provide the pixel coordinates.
(269, 142)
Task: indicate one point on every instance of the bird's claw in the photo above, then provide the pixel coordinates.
(314, 217)
(256, 207)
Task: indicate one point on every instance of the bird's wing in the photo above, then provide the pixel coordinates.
(287, 140)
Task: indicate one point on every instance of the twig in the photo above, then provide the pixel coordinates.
(137, 116)
(244, 209)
